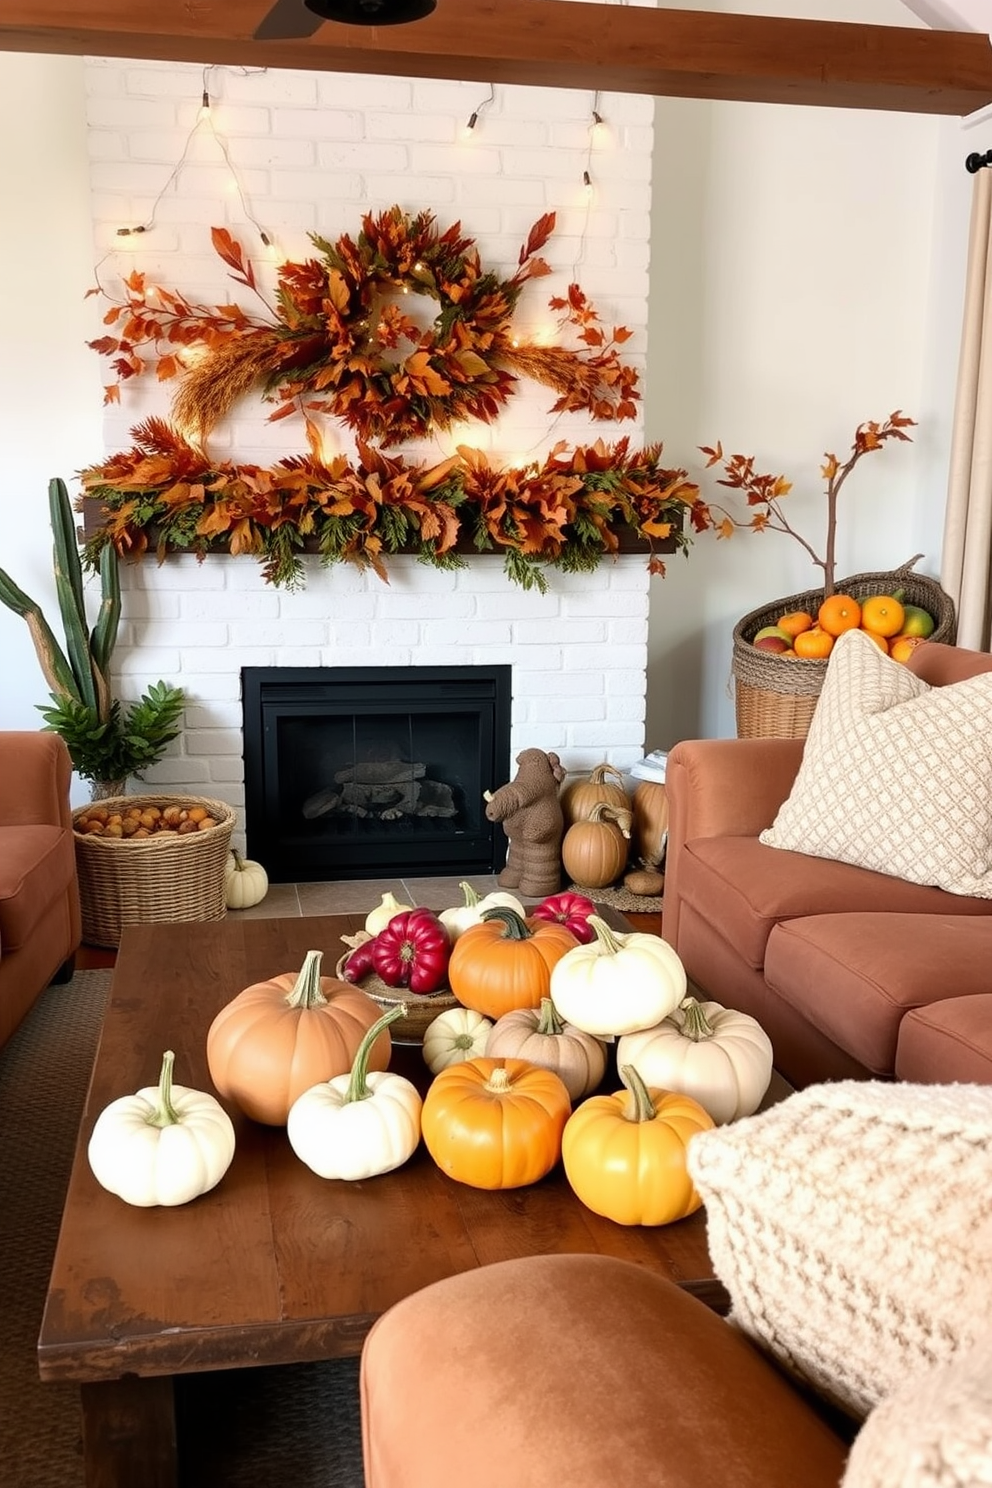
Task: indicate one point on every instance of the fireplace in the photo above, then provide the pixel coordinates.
(359, 772)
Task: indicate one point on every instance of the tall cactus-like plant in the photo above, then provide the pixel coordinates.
(106, 742)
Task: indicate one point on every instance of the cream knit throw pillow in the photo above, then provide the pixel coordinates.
(852, 1226)
(934, 1432)
(896, 775)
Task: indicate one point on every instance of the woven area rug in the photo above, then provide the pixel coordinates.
(248, 1428)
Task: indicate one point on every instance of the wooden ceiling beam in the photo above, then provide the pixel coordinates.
(549, 43)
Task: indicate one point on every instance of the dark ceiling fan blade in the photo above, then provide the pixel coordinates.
(296, 18)
(286, 21)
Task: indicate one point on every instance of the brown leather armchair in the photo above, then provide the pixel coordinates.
(39, 898)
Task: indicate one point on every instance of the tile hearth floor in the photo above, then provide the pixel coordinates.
(356, 896)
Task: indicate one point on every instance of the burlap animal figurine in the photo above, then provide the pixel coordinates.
(529, 809)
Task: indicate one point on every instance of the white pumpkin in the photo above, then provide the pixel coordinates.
(618, 983)
(455, 1035)
(357, 1125)
(541, 1037)
(461, 918)
(245, 881)
(378, 918)
(720, 1057)
(166, 1144)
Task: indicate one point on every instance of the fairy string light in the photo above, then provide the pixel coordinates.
(473, 117)
(204, 119)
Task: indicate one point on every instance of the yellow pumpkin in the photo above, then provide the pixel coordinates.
(625, 1154)
(495, 1123)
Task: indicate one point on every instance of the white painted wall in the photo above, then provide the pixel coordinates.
(50, 418)
(806, 276)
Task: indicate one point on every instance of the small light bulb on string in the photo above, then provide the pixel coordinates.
(587, 185)
(473, 117)
(204, 112)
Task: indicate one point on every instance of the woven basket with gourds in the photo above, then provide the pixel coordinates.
(774, 696)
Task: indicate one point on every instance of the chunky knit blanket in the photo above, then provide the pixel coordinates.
(852, 1226)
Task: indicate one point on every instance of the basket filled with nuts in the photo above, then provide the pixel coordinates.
(150, 858)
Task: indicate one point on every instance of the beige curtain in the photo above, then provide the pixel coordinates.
(966, 564)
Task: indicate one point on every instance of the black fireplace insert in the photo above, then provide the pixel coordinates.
(366, 772)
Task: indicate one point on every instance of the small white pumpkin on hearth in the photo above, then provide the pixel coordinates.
(245, 881)
(720, 1057)
(165, 1145)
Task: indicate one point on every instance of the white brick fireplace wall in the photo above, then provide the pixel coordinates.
(313, 152)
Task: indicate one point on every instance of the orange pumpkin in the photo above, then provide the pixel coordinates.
(495, 1123)
(624, 1154)
(505, 962)
(280, 1037)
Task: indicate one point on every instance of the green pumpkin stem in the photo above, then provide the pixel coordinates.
(696, 1025)
(609, 940)
(469, 895)
(640, 1107)
(164, 1113)
(549, 1021)
(239, 862)
(307, 992)
(515, 928)
(358, 1083)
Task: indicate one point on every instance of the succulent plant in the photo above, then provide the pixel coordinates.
(107, 741)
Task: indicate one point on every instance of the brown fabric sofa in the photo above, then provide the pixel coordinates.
(852, 973)
(39, 898)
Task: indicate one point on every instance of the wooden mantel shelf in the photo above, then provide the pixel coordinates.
(549, 43)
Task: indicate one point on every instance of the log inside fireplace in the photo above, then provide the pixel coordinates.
(358, 772)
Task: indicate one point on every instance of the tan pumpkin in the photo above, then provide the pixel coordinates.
(649, 805)
(580, 796)
(280, 1037)
(594, 852)
(540, 1036)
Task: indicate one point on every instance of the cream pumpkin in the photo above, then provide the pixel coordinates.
(618, 983)
(245, 882)
(722, 1058)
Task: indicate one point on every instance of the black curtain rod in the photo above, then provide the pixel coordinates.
(975, 161)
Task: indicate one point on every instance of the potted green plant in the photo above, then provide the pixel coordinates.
(107, 741)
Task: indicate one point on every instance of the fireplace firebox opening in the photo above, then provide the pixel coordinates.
(359, 772)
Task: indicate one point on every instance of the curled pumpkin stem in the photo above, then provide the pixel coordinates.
(515, 927)
(640, 1107)
(358, 1083)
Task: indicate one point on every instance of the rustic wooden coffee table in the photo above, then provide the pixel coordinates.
(275, 1265)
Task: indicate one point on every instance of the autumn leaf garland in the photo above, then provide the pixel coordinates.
(561, 513)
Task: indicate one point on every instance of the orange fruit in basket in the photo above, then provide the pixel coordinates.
(882, 615)
(903, 647)
(795, 622)
(839, 613)
(814, 644)
(879, 640)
